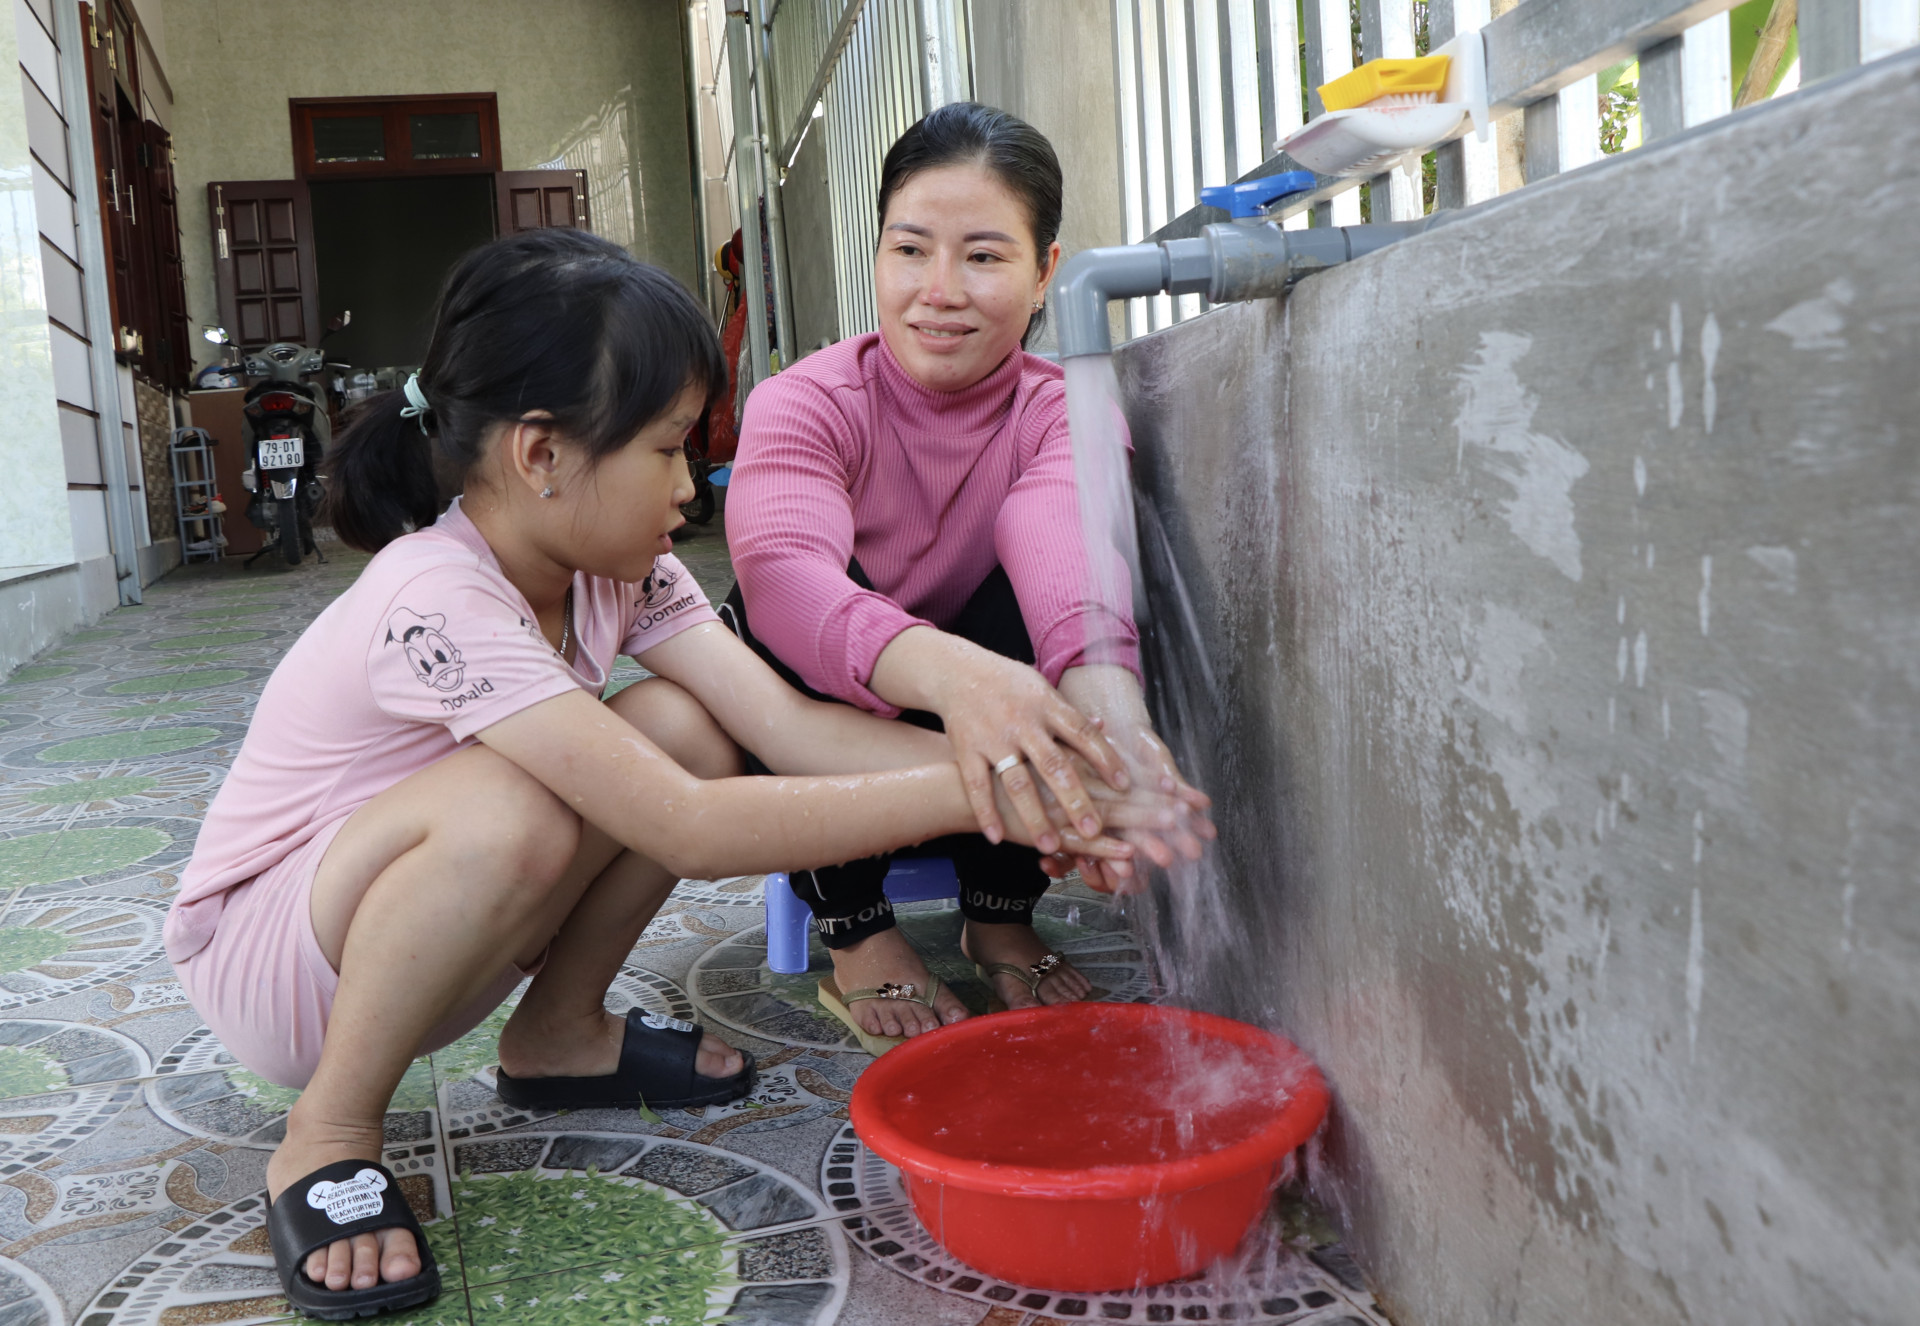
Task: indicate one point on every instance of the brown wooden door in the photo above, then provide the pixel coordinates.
(103, 96)
(263, 267)
(534, 199)
(169, 344)
(135, 259)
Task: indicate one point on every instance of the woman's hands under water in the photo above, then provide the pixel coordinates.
(1101, 849)
(994, 707)
(1160, 813)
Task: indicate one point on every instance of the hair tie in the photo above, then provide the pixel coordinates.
(417, 406)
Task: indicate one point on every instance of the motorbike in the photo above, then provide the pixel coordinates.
(286, 430)
(701, 465)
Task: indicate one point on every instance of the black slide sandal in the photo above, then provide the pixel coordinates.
(336, 1202)
(657, 1056)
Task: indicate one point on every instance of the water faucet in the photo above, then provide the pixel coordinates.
(1250, 257)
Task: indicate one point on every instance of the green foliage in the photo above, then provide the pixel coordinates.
(1743, 30)
(1619, 105)
(646, 1256)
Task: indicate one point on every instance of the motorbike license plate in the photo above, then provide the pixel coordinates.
(282, 453)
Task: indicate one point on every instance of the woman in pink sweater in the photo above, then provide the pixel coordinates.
(906, 531)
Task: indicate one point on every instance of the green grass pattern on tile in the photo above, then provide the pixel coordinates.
(40, 672)
(473, 1051)
(234, 610)
(42, 858)
(415, 1091)
(129, 745)
(27, 1072)
(268, 1095)
(24, 946)
(184, 679)
(208, 639)
(646, 1257)
(136, 712)
(91, 789)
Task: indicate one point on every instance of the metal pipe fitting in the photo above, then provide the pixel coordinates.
(1230, 262)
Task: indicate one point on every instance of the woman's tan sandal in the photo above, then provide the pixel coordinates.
(1030, 976)
(840, 1006)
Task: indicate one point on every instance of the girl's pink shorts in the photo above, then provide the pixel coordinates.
(266, 989)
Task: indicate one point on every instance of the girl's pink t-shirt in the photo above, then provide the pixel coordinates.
(431, 645)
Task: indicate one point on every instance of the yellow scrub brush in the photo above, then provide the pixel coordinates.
(1387, 110)
(1382, 83)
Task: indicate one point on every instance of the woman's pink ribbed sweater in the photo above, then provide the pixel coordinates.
(846, 456)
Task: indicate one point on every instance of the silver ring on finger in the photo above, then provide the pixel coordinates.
(1006, 764)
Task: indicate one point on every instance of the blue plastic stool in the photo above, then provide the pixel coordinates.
(912, 879)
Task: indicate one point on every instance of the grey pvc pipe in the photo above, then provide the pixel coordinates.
(1227, 263)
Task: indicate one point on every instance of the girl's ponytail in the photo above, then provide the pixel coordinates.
(380, 479)
(553, 320)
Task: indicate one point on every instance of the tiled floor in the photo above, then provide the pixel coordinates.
(133, 1149)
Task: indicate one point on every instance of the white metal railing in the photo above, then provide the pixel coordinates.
(860, 72)
(807, 37)
(716, 207)
(876, 93)
(1206, 88)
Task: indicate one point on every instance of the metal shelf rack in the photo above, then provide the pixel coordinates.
(195, 490)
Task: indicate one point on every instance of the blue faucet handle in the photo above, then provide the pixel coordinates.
(1252, 197)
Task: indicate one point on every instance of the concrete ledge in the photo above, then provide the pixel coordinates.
(1556, 574)
(35, 611)
(158, 558)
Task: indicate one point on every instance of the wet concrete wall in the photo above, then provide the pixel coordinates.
(1560, 575)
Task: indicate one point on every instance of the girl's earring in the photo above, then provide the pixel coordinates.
(547, 491)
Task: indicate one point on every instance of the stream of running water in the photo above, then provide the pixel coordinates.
(1188, 927)
(1205, 945)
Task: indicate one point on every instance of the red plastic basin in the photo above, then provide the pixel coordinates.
(1090, 1146)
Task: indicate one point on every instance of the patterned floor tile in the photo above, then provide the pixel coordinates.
(732, 985)
(590, 1224)
(133, 1147)
(463, 1072)
(65, 799)
(1276, 1279)
(40, 862)
(52, 948)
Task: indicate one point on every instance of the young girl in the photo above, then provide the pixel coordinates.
(433, 804)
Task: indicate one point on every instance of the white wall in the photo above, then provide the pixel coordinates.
(34, 522)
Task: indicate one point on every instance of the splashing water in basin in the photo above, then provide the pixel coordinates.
(1072, 1147)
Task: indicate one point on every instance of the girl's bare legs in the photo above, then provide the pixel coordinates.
(421, 901)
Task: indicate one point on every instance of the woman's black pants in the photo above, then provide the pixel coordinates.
(998, 883)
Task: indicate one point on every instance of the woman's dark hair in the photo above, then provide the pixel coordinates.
(965, 133)
(556, 320)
